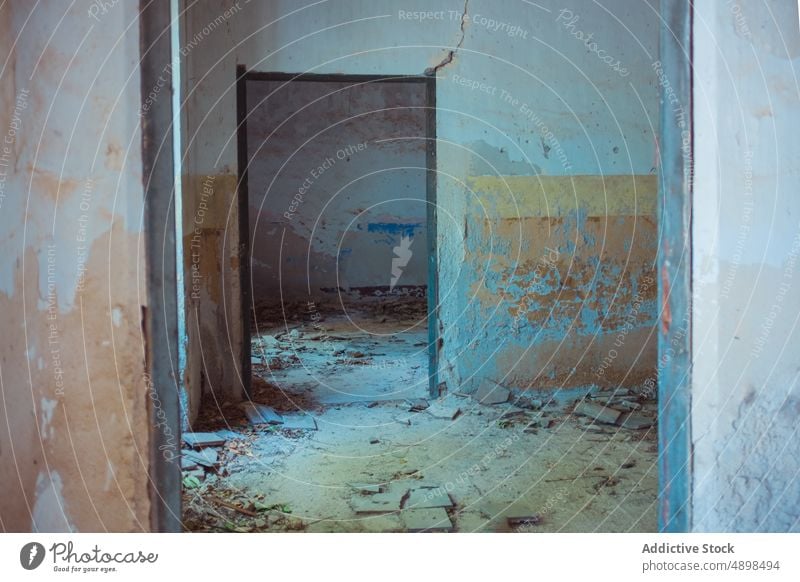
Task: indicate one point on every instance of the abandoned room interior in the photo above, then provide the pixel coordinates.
(365, 266)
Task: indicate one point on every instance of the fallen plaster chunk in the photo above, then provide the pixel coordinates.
(260, 414)
(491, 393)
(199, 440)
(427, 520)
(597, 412)
(418, 405)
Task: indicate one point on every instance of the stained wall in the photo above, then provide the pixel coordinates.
(546, 172)
(75, 396)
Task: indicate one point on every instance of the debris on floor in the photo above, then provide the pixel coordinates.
(199, 440)
(299, 422)
(260, 414)
(491, 393)
(598, 412)
(444, 410)
(343, 436)
(205, 457)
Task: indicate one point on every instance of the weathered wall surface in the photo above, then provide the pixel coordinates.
(73, 424)
(546, 159)
(336, 181)
(745, 397)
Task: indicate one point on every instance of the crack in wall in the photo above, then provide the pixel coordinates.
(452, 52)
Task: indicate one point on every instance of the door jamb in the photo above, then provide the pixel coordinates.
(675, 268)
(160, 316)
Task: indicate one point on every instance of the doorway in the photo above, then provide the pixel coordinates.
(303, 320)
(337, 205)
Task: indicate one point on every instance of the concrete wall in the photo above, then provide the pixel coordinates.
(336, 181)
(74, 408)
(746, 223)
(546, 184)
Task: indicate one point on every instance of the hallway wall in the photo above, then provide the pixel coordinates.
(74, 430)
(546, 188)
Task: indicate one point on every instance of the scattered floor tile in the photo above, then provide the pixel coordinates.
(187, 464)
(378, 503)
(427, 498)
(205, 457)
(426, 520)
(199, 440)
(260, 414)
(597, 412)
(444, 410)
(634, 421)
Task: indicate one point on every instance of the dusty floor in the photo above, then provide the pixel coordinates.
(379, 461)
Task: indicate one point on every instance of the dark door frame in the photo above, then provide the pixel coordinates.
(242, 77)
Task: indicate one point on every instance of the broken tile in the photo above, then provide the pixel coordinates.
(187, 464)
(427, 520)
(260, 414)
(491, 393)
(427, 498)
(299, 422)
(229, 435)
(378, 503)
(597, 412)
(205, 457)
(199, 440)
(634, 421)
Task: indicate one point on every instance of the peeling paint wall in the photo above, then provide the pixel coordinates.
(336, 183)
(74, 428)
(746, 243)
(546, 120)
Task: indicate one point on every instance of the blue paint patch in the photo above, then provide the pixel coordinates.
(395, 228)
